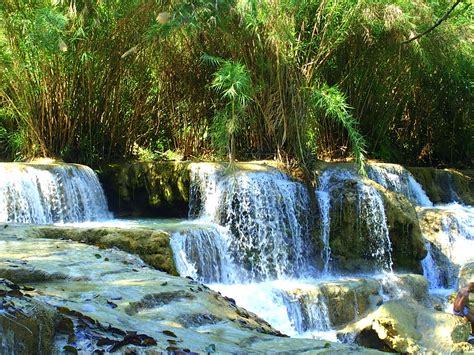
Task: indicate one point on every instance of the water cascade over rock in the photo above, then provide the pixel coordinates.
(396, 178)
(265, 216)
(50, 193)
(353, 221)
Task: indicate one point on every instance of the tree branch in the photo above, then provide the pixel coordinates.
(437, 23)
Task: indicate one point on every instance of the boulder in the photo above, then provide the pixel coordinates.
(405, 326)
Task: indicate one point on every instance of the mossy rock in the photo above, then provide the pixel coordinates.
(152, 246)
(446, 185)
(404, 230)
(147, 189)
(350, 237)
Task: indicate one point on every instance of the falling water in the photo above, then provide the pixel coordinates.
(372, 213)
(308, 312)
(396, 178)
(266, 216)
(449, 228)
(430, 269)
(201, 253)
(40, 194)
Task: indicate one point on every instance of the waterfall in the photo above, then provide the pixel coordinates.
(201, 253)
(50, 193)
(266, 216)
(396, 178)
(450, 229)
(431, 270)
(308, 312)
(371, 215)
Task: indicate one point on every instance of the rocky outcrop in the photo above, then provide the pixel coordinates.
(147, 189)
(404, 230)
(405, 326)
(351, 235)
(153, 246)
(446, 185)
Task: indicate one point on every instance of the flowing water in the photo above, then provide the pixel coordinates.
(260, 225)
(40, 194)
(448, 229)
(250, 233)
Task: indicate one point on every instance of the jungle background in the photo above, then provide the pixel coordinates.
(95, 81)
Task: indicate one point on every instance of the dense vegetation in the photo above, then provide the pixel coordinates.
(93, 81)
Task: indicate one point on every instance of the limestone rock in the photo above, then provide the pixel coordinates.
(407, 327)
(153, 246)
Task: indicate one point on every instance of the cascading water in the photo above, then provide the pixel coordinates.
(265, 215)
(430, 269)
(201, 253)
(41, 194)
(452, 234)
(371, 215)
(396, 178)
(255, 245)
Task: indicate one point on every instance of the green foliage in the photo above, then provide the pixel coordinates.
(332, 103)
(231, 80)
(90, 81)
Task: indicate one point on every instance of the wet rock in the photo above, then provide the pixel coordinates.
(26, 326)
(147, 189)
(404, 230)
(153, 246)
(157, 300)
(407, 327)
(350, 235)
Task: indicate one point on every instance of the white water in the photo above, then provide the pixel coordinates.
(265, 215)
(431, 270)
(455, 234)
(371, 215)
(41, 194)
(256, 248)
(396, 178)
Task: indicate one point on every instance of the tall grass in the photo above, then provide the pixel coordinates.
(99, 81)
